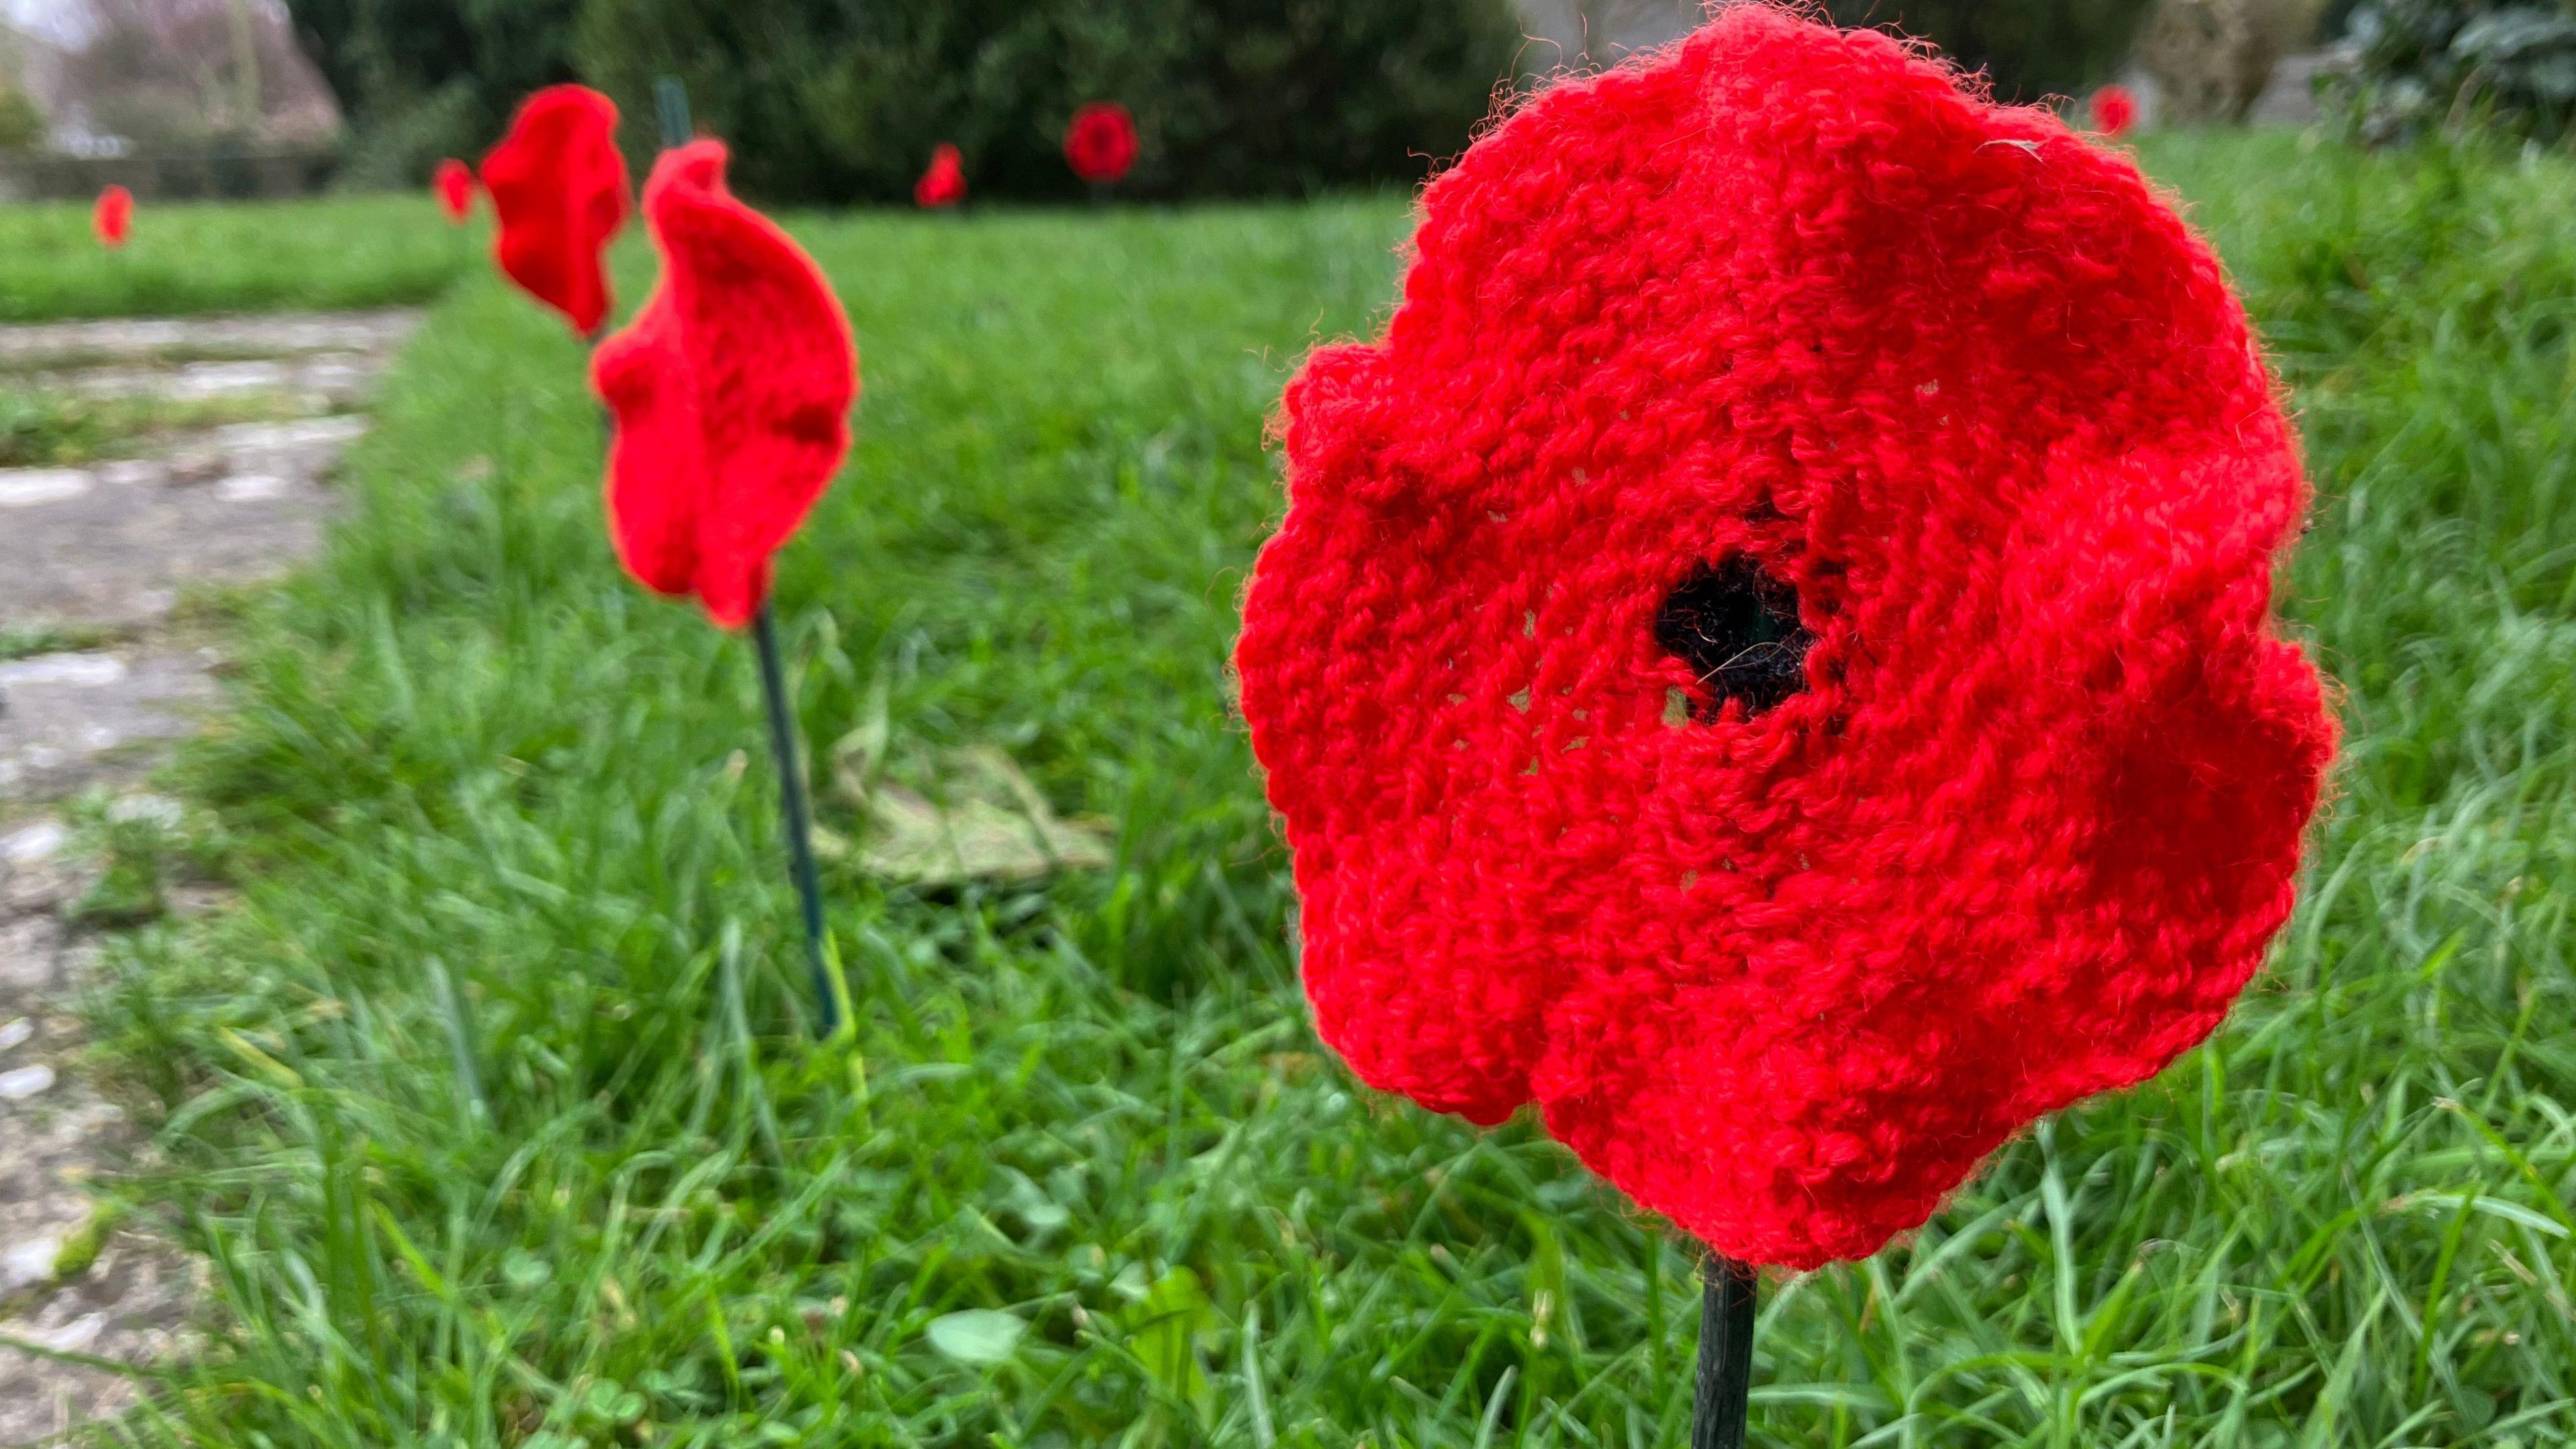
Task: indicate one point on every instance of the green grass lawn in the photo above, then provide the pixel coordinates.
(196, 256)
(495, 1109)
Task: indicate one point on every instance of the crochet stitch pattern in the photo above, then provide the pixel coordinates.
(1770, 656)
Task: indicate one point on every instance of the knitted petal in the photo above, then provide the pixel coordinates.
(558, 186)
(1770, 656)
(657, 464)
(731, 392)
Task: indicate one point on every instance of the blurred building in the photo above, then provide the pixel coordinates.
(167, 97)
(113, 77)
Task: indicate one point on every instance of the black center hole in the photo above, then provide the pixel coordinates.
(1737, 628)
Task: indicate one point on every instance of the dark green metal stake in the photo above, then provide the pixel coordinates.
(671, 108)
(799, 819)
(1718, 1404)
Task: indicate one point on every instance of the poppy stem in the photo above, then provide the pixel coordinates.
(797, 818)
(1718, 1404)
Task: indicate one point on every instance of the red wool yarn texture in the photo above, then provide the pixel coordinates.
(452, 182)
(112, 216)
(730, 393)
(1770, 655)
(558, 188)
(944, 184)
(2114, 110)
(1100, 144)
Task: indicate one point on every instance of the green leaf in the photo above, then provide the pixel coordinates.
(525, 1271)
(1175, 1312)
(976, 1335)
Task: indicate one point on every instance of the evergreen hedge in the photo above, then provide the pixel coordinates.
(836, 101)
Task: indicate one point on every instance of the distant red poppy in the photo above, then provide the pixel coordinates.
(2115, 110)
(113, 216)
(944, 184)
(453, 183)
(558, 186)
(731, 394)
(1101, 143)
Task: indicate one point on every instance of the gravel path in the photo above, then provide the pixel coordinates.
(99, 558)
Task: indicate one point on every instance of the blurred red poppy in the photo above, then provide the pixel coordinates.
(730, 393)
(944, 184)
(1101, 143)
(113, 216)
(2114, 109)
(453, 183)
(558, 186)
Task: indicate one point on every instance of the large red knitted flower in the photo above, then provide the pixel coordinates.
(558, 186)
(1770, 655)
(731, 391)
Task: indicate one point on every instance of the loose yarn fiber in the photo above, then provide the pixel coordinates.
(1770, 656)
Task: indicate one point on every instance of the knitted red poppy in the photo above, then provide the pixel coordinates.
(112, 216)
(1100, 144)
(731, 394)
(453, 184)
(558, 186)
(1770, 655)
(944, 184)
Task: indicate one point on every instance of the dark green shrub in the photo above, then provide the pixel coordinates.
(2031, 48)
(825, 100)
(21, 123)
(421, 79)
(2426, 64)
